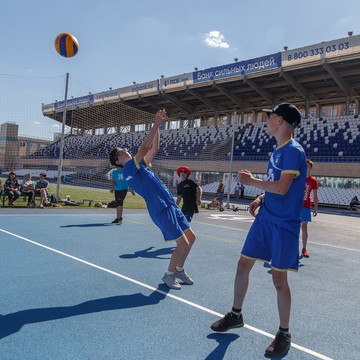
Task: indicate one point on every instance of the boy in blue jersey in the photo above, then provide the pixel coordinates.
(121, 187)
(160, 203)
(274, 235)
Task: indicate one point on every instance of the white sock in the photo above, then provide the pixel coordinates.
(178, 268)
(169, 272)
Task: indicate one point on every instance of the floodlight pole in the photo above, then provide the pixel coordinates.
(59, 174)
(233, 117)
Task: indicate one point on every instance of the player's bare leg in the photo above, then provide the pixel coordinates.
(242, 280)
(283, 296)
(176, 265)
(304, 237)
(184, 244)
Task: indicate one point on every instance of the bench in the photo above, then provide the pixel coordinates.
(4, 196)
(354, 207)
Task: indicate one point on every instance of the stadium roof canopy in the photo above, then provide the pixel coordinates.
(314, 76)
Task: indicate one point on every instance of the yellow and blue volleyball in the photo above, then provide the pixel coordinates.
(66, 45)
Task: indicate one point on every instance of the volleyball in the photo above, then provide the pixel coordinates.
(66, 45)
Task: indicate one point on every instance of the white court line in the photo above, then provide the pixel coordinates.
(259, 331)
(333, 246)
(309, 242)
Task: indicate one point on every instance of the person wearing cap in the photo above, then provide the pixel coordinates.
(189, 192)
(28, 187)
(274, 234)
(311, 186)
(12, 188)
(41, 187)
(159, 201)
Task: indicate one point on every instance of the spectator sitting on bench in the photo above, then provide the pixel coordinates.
(28, 188)
(12, 188)
(354, 203)
(42, 188)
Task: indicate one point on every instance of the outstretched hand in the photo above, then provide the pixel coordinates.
(244, 176)
(160, 117)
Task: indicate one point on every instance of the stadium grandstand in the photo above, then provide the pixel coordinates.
(216, 123)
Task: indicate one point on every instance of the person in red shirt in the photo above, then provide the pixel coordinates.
(311, 185)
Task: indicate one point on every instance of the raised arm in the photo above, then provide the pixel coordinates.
(148, 142)
(154, 148)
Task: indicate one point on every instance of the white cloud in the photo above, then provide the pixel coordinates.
(216, 39)
(56, 126)
(37, 123)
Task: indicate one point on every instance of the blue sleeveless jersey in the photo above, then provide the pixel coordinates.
(284, 210)
(143, 180)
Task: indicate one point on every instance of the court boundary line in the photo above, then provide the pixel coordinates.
(149, 287)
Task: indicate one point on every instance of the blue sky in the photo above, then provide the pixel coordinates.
(126, 41)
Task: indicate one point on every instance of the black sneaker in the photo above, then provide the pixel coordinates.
(117, 221)
(280, 345)
(229, 321)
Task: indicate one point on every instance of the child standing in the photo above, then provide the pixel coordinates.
(274, 235)
(189, 192)
(121, 187)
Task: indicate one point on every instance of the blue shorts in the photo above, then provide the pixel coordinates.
(305, 215)
(267, 241)
(171, 221)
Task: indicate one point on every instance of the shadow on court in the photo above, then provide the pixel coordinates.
(12, 323)
(276, 357)
(147, 253)
(88, 225)
(223, 340)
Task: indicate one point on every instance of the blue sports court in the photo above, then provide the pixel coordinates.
(75, 286)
